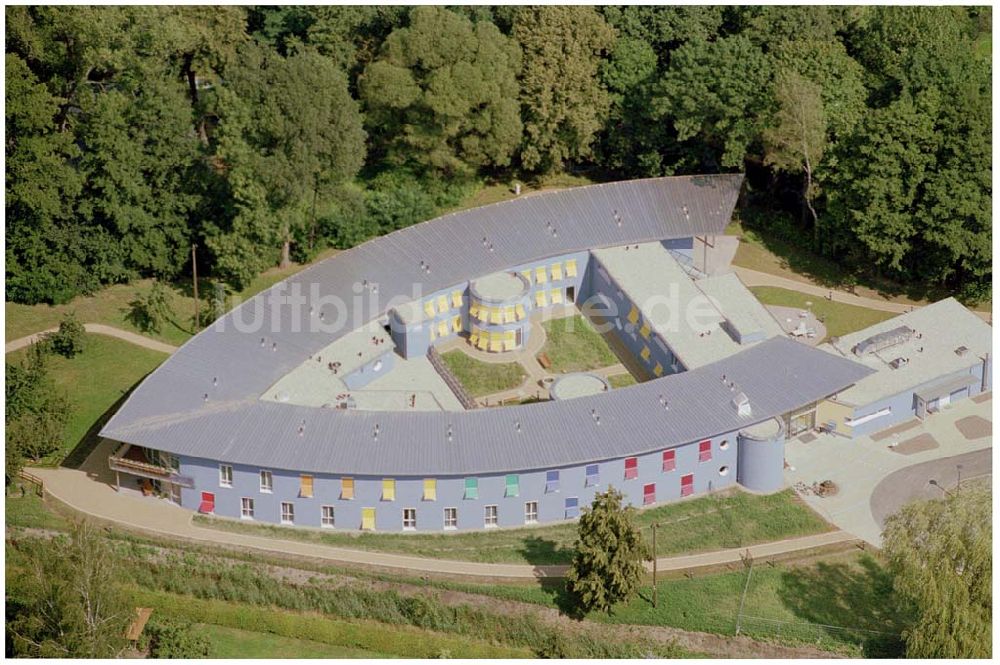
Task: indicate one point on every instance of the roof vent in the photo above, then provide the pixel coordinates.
(961, 351)
(742, 404)
(899, 362)
(883, 340)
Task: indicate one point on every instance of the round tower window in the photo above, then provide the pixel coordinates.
(724, 445)
(724, 471)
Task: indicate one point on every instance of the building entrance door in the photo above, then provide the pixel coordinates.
(801, 422)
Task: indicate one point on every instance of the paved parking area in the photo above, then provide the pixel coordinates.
(858, 466)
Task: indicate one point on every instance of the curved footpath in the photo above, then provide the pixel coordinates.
(90, 490)
(99, 329)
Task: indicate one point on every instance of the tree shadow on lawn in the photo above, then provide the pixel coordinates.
(540, 551)
(860, 598)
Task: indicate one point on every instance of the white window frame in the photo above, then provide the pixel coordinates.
(491, 516)
(413, 522)
(453, 512)
(854, 422)
(269, 487)
(325, 521)
(225, 475)
(246, 508)
(287, 512)
(531, 512)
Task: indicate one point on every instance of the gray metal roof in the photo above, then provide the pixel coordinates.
(233, 368)
(777, 375)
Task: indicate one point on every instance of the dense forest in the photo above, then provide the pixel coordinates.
(265, 134)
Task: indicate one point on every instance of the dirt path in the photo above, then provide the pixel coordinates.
(757, 278)
(99, 329)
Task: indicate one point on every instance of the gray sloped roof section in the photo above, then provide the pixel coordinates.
(229, 365)
(778, 375)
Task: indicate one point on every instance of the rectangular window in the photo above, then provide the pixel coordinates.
(644, 330)
(443, 329)
(572, 507)
(490, 516)
(456, 299)
(645, 353)
(246, 508)
(456, 323)
(556, 295)
(225, 475)
(388, 489)
(531, 512)
(557, 273)
(409, 519)
(571, 268)
(451, 518)
(658, 370)
(287, 513)
(593, 475)
(687, 485)
(551, 481)
(326, 517)
(649, 494)
(429, 309)
(266, 481)
(512, 486)
(705, 451)
(633, 315)
(443, 304)
(540, 276)
(631, 468)
(207, 505)
(471, 488)
(347, 488)
(430, 489)
(367, 519)
(540, 300)
(305, 486)
(669, 460)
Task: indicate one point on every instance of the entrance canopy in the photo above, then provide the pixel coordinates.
(946, 387)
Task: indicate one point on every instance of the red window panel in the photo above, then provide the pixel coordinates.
(648, 494)
(669, 460)
(631, 468)
(704, 451)
(207, 505)
(687, 485)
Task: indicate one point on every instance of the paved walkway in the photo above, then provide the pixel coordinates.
(757, 278)
(859, 466)
(90, 490)
(99, 329)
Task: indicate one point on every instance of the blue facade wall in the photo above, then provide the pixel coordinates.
(762, 461)
(451, 491)
(371, 370)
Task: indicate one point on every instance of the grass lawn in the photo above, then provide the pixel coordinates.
(574, 346)
(30, 512)
(235, 643)
(840, 319)
(95, 381)
(504, 191)
(621, 380)
(481, 378)
(722, 521)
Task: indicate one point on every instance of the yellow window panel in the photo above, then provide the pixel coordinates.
(519, 309)
(430, 489)
(496, 316)
(456, 323)
(556, 272)
(508, 315)
(388, 489)
(509, 336)
(456, 299)
(645, 353)
(540, 276)
(527, 275)
(496, 345)
(429, 309)
(443, 329)
(633, 315)
(571, 268)
(474, 310)
(540, 298)
(556, 296)
(658, 370)
(305, 486)
(473, 338)
(644, 331)
(368, 519)
(347, 488)
(483, 343)
(509, 345)
(442, 304)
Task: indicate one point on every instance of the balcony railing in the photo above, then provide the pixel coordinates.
(124, 460)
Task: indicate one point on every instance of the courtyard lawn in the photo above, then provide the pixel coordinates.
(481, 378)
(839, 318)
(721, 521)
(574, 346)
(621, 380)
(225, 642)
(95, 381)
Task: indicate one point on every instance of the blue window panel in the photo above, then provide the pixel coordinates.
(572, 507)
(551, 481)
(593, 476)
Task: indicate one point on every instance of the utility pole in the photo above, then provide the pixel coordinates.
(958, 488)
(654, 565)
(194, 271)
